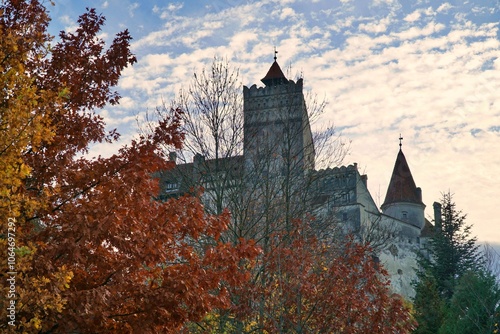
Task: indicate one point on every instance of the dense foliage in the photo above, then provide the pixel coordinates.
(93, 251)
(304, 285)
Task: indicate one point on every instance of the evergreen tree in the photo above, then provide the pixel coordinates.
(474, 306)
(428, 305)
(452, 252)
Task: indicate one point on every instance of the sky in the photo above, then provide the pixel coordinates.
(428, 70)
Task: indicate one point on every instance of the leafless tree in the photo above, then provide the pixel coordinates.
(275, 189)
(269, 185)
(492, 260)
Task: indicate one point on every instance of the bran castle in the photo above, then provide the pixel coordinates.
(278, 145)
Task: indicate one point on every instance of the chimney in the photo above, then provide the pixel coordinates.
(198, 162)
(419, 194)
(172, 156)
(198, 159)
(437, 216)
(364, 178)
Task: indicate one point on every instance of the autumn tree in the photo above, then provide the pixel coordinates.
(264, 192)
(314, 287)
(25, 123)
(94, 251)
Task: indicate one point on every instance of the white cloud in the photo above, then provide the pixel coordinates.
(105, 5)
(417, 32)
(175, 6)
(433, 90)
(132, 8)
(169, 11)
(418, 13)
(376, 27)
(240, 41)
(69, 24)
(415, 16)
(104, 36)
(128, 103)
(65, 19)
(383, 2)
(445, 7)
(339, 25)
(287, 13)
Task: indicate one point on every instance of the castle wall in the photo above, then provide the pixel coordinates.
(277, 136)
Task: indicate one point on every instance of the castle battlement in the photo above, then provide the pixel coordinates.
(336, 170)
(287, 88)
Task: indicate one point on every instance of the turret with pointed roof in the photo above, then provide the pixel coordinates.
(403, 200)
(402, 187)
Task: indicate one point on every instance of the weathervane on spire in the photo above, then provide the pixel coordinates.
(275, 54)
(400, 141)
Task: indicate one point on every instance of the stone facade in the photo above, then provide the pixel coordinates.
(276, 125)
(277, 132)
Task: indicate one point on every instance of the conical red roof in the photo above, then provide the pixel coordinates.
(274, 76)
(402, 188)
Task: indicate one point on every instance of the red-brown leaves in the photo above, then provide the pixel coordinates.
(304, 285)
(82, 66)
(97, 252)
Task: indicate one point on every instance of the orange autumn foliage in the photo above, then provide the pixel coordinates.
(304, 285)
(95, 252)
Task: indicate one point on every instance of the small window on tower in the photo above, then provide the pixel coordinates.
(405, 214)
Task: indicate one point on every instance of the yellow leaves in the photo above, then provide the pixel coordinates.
(67, 279)
(63, 277)
(39, 296)
(36, 323)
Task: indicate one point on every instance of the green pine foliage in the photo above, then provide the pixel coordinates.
(474, 306)
(452, 252)
(428, 305)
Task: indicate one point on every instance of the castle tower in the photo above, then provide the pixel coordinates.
(403, 200)
(276, 124)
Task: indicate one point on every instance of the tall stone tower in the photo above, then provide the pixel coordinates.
(276, 124)
(403, 200)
